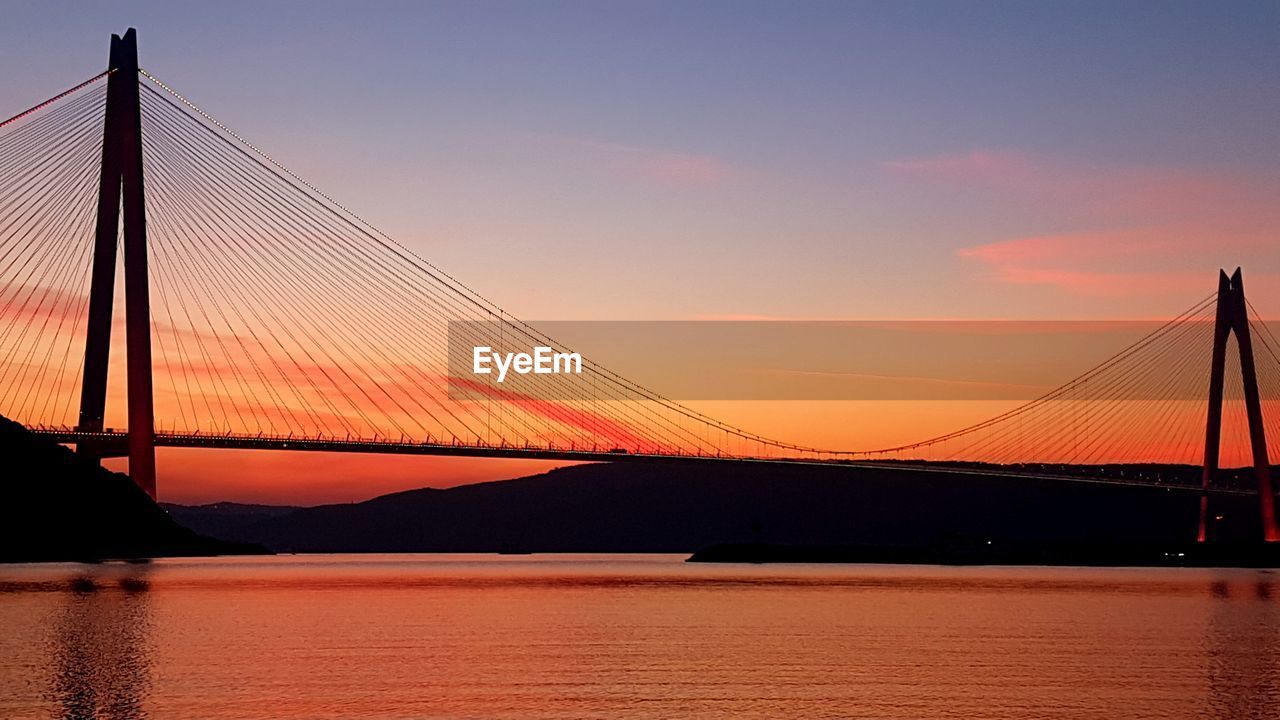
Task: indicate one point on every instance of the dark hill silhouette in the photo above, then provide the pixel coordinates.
(59, 507)
(675, 507)
(226, 520)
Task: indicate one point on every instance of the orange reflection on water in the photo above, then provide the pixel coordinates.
(630, 636)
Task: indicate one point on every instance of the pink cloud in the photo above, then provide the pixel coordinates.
(1146, 230)
(1115, 263)
(1114, 192)
(1107, 284)
(1075, 249)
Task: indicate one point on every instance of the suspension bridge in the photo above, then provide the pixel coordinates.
(261, 313)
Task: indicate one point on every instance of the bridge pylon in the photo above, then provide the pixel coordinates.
(1233, 316)
(121, 196)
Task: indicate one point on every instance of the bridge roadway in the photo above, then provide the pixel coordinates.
(115, 442)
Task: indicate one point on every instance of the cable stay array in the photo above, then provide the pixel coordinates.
(49, 161)
(277, 312)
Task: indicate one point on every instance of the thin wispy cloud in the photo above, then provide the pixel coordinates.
(987, 167)
(659, 166)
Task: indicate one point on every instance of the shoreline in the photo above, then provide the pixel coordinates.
(1258, 556)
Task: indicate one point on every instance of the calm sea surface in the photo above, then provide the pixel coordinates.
(636, 636)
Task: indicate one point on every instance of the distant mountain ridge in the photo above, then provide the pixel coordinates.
(226, 520)
(633, 507)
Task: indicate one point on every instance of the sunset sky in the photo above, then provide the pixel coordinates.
(735, 160)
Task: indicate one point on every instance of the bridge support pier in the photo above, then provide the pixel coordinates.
(1233, 316)
(121, 194)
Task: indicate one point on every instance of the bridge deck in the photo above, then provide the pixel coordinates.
(119, 439)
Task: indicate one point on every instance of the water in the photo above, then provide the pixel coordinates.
(468, 636)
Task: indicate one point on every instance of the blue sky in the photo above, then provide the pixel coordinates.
(624, 160)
